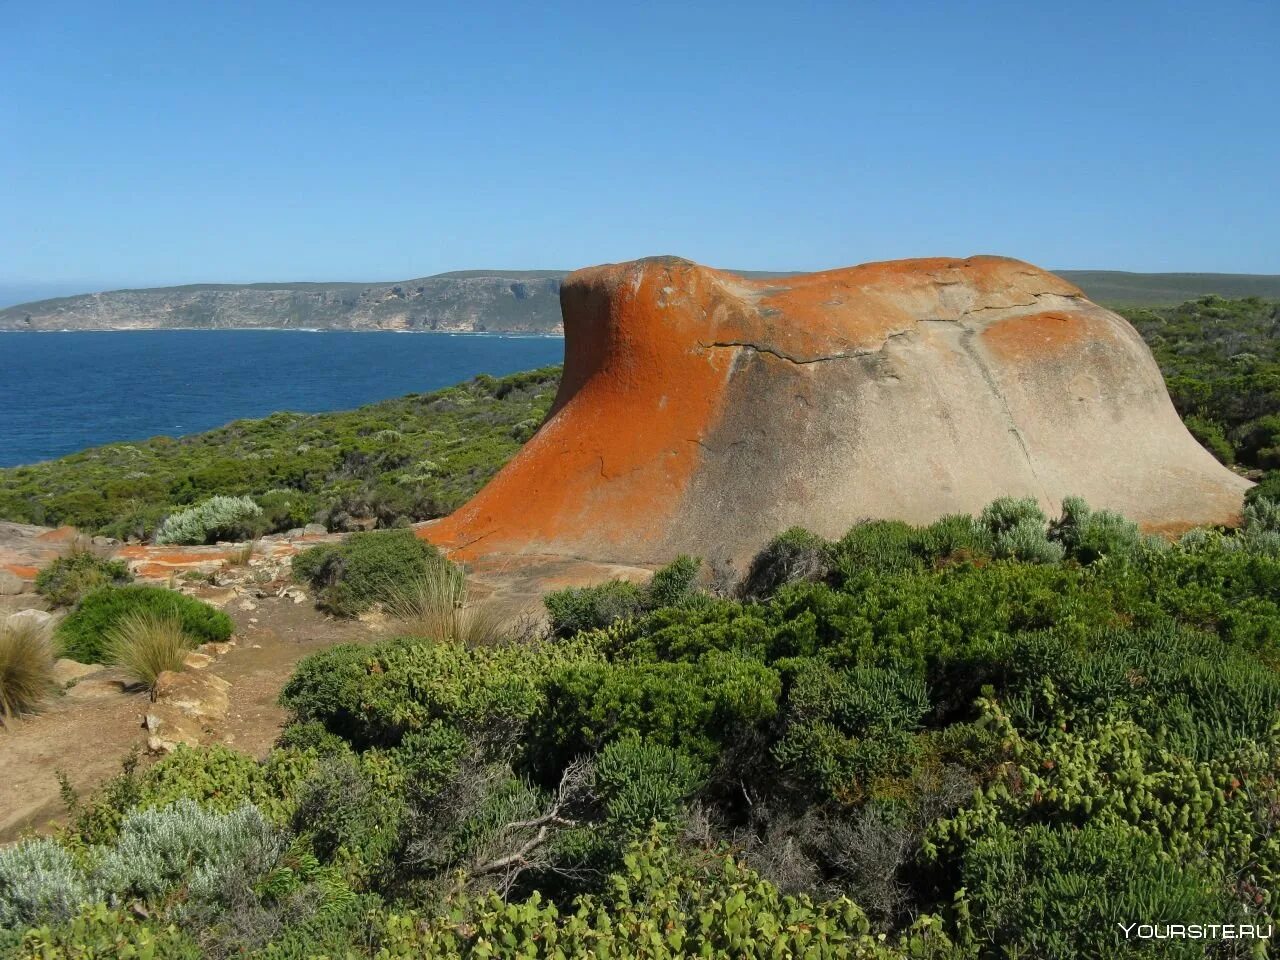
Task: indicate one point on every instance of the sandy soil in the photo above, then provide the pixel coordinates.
(88, 732)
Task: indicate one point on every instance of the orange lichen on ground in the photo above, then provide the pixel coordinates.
(173, 556)
(21, 571)
(1041, 336)
(59, 535)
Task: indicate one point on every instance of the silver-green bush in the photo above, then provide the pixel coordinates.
(39, 883)
(218, 518)
(183, 842)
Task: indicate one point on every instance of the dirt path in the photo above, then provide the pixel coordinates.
(88, 732)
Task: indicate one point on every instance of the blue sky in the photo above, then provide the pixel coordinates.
(150, 143)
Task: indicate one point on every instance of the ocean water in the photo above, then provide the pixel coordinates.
(62, 392)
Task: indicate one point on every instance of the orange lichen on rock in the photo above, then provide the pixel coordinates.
(621, 442)
(704, 412)
(1042, 336)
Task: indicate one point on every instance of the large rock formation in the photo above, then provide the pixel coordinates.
(704, 412)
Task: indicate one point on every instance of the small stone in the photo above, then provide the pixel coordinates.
(11, 584)
(196, 661)
(314, 530)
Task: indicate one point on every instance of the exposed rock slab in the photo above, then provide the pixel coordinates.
(704, 412)
(67, 671)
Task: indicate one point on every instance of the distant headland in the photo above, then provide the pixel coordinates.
(470, 301)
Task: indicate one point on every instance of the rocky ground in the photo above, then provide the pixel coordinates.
(228, 692)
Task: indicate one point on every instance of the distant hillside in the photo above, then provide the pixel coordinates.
(1118, 288)
(473, 300)
(526, 301)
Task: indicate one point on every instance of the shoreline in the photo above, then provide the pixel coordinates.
(525, 334)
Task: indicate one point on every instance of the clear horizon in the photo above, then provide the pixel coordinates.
(250, 143)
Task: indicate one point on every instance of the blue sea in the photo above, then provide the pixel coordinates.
(62, 392)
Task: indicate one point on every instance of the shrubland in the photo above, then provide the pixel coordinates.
(85, 634)
(420, 456)
(413, 458)
(994, 736)
(989, 737)
(1221, 362)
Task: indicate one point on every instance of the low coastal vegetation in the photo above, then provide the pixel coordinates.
(421, 456)
(392, 462)
(349, 577)
(996, 736)
(145, 644)
(26, 667)
(85, 633)
(142, 630)
(989, 737)
(68, 579)
(1221, 362)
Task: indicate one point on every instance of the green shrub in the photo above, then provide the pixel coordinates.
(661, 902)
(82, 635)
(845, 728)
(874, 548)
(699, 707)
(1088, 535)
(1268, 487)
(221, 779)
(671, 584)
(183, 844)
(218, 518)
(364, 569)
(1004, 514)
(40, 882)
(311, 735)
(67, 580)
(26, 667)
(1019, 531)
(640, 782)
(328, 688)
(287, 509)
(145, 644)
(577, 609)
(1212, 437)
(346, 817)
(956, 536)
(100, 931)
(1028, 543)
(375, 696)
(1065, 892)
(795, 554)
(1262, 515)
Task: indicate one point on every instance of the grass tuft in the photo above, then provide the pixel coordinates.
(26, 667)
(145, 644)
(436, 605)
